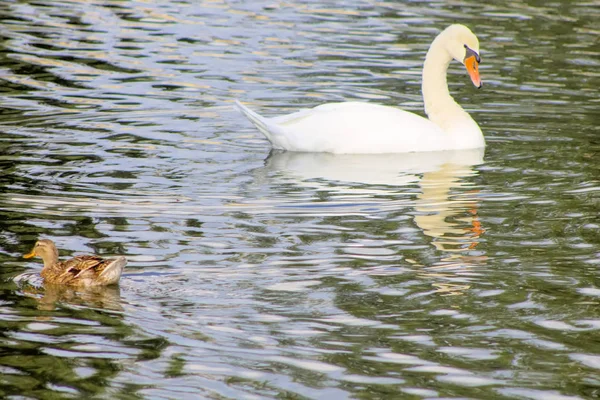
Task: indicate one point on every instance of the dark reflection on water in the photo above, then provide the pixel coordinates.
(259, 276)
(67, 342)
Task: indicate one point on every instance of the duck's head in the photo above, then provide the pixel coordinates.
(463, 46)
(45, 248)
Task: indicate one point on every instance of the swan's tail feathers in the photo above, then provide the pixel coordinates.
(259, 121)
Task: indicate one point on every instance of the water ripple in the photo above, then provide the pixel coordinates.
(257, 275)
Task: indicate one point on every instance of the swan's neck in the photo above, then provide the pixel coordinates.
(440, 107)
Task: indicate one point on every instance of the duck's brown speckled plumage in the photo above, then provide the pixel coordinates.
(85, 270)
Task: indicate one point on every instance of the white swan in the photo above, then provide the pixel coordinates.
(357, 127)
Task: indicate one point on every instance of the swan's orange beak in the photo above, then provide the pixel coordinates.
(473, 69)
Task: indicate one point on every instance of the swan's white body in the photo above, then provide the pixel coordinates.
(357, 127)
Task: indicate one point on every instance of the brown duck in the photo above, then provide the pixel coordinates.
(78, 271)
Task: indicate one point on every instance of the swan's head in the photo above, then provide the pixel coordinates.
(463, 46)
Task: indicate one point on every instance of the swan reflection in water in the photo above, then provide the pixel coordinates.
(444, 209)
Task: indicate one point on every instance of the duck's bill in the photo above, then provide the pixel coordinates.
(473, 70)
(29, 255)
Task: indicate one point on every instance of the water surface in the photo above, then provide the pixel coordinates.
(276, 275)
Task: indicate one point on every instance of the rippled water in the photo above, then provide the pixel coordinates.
(257, 275)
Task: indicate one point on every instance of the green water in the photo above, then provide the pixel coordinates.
(256, 275)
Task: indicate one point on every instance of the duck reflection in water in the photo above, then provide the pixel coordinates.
(49, 295)
(444, 210)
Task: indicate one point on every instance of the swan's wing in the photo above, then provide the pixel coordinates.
(350, 127)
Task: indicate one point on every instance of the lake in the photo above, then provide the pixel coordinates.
(255, 274)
